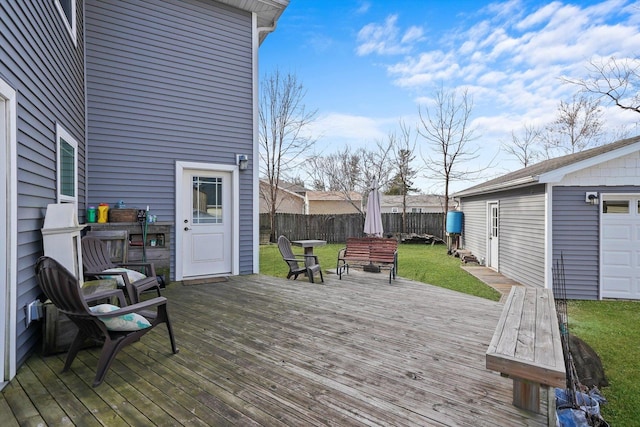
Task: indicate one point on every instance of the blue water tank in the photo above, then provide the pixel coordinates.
(454, 222)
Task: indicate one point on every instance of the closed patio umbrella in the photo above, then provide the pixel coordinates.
(373, 218)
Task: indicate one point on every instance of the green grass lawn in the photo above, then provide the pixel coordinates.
(423, 263)
(611, 328)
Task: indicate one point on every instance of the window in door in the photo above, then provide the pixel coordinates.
(67, 148)
(615, 207)
(207, 200)
(494, 221)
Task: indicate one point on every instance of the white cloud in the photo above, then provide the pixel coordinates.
(363, 8)
(515, 60)
(345, 128)
(387, 39)
(412, 34)
(511, 60)
(541, 15)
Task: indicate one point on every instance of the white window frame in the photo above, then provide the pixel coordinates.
(71, 26)
(61, 134)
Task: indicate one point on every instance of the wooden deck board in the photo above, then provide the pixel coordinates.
(258, 350)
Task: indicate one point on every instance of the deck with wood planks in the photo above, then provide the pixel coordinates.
(257, 350)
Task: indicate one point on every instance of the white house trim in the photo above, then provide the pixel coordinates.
(256, 153)
(181, 166)
(548, 237)
(558, 175)
(9, 229)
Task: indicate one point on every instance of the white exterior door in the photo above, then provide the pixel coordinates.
(205, 222)
(493, 231)
(620, 246)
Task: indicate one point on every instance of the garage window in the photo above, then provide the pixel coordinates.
(615, 207)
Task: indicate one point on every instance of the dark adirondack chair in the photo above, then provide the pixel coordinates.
(63, 289)
(306, 265)
(96, 259)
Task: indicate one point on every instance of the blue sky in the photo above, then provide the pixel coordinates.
(366, 65)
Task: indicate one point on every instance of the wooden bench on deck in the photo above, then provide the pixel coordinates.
(369, 252)
(526, 347)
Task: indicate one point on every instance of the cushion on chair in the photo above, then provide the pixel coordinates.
(132, 275)
(125, 322)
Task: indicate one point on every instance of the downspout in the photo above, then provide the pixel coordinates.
(86, 109)
(256, 142)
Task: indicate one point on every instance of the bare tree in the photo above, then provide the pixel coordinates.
(577, 126)
(525, 145)
(336, 171)
(404, 155)
(446, 129)
(351, 171)
(282, 119)
(616, 80)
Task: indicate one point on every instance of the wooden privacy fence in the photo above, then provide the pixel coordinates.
(336, 228)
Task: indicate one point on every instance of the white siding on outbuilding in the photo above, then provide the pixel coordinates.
(522, 222)
(521, 231)
(474, 231)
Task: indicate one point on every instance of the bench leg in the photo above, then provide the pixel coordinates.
(551, 406)
(343, 269)
(526, 395)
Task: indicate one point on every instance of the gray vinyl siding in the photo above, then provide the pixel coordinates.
(522, 235)
(474, 233)
(576, 237)
(167, 81)
(39, 60)
(521, 231)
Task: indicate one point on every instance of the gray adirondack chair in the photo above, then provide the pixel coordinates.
(63, 289)
(306, 265)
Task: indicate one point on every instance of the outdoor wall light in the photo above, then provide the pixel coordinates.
(242, 160)
(591, 197)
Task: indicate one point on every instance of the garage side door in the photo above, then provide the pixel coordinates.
(620, 246)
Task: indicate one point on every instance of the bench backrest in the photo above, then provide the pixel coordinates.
(373, 249)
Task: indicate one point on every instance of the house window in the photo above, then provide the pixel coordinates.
(67, 148)
(416, 210)
(67, 10)
(394, 210)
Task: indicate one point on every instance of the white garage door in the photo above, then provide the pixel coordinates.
(620, 248)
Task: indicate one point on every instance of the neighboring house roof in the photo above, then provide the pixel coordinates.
(553, 170)
(332, 196)
(294, 188)
(284, 185)
(267, 11)
(284, 189)
(333, 202)
(288, 201)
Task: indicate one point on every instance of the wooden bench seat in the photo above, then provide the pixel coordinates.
(526, 347)
(369, 252)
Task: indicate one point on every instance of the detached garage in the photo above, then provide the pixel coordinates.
(583, 208)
